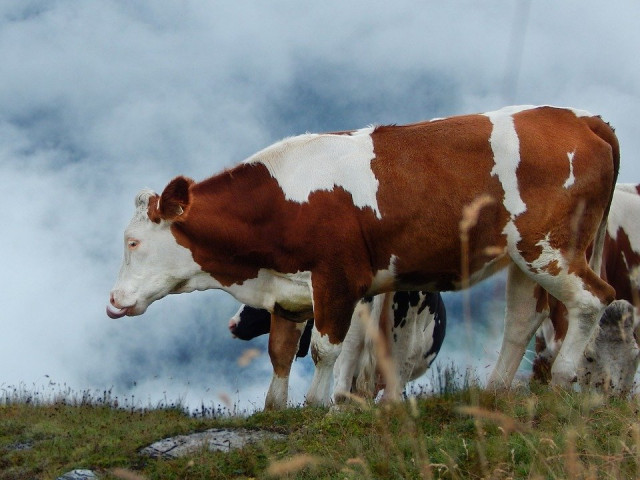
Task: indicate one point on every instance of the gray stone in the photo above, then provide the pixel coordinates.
(216, 439)
(78, 475)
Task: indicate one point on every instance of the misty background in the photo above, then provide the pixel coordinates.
(99, 99)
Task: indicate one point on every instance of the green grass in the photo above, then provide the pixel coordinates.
(463, 432)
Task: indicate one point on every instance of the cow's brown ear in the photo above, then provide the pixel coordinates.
(175, 198)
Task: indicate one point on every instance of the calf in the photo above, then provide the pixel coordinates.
(412, 326)
(312, 224)
(621, 268)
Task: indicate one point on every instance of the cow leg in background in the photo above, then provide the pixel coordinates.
(548, 341)
(521, 321)
(283, 345)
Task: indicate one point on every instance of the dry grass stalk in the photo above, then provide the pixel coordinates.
(385, 365)
(248, 356)
(125, 474)
(361, 464)
(573, 465)
(291, 465)
(576, 220)
(506, 424)
(470, 215)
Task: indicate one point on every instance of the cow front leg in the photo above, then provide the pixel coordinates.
(324, 355)
(284, 338)
(332, 309)
(524, 313)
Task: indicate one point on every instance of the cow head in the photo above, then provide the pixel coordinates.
(154, 264)
(611, 359)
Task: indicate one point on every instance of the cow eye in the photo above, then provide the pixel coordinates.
(132, 244)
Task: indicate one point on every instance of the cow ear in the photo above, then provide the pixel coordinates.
(175, 198)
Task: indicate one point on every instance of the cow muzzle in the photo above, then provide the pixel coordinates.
(115, 310)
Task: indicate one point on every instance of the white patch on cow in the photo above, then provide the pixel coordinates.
(384, 280)
(548, 256)
(580, 113)
(513, 238)
(326, 353)
(571, 180)
(634, 276)
(278, 393)
(311, 162)
(505, 145)
(625, 199)
(292, 291)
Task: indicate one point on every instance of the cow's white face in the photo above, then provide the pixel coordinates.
(154, 264)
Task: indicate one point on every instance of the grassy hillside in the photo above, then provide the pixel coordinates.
(461, 433)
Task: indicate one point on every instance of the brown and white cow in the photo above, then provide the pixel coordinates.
(621, 268)
(313, 223)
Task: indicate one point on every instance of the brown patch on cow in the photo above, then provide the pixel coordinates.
(428, 168)
(284, 337)
(541, 367)
(542, 299)
(618, 259)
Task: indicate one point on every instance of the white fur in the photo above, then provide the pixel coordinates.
(572, 179)
(325, 354)
(505, 145)
(384, 280)
(329, 161)
(278, 393)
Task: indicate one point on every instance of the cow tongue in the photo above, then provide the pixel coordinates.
(116, 312)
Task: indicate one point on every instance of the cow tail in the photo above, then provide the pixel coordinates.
(606, 133)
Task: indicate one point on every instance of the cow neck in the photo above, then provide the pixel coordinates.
(229, 226)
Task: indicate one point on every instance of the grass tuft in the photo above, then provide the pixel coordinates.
(457, 432)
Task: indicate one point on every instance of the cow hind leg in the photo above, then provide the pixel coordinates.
(522, 318)
(284, 337)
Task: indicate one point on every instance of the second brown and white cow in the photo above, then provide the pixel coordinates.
(621, 268)
(311, 224)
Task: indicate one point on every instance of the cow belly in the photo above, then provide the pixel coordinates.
(291, 292)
